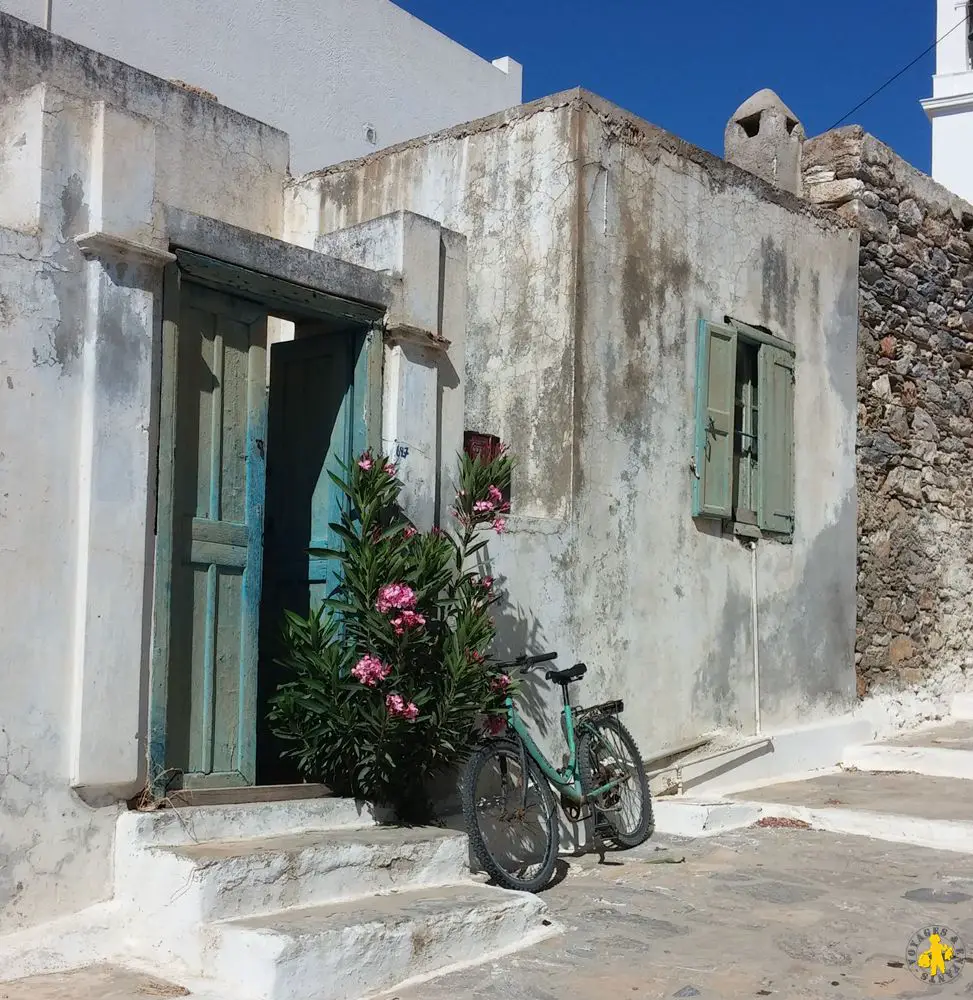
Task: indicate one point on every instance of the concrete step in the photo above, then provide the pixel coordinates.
(349, 950)
(944, 750)
(239, 821)
(218, 880)
(922, 810)
(732, 762)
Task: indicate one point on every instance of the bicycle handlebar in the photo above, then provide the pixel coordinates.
(526, 662)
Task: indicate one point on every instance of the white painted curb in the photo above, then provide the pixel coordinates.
(961, 707)
(940, 834)
(692, 818)
(688, 818)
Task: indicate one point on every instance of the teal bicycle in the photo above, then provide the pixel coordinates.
(508, 803)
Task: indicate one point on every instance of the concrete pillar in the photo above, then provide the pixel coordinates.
(115, 458)
(424, 350)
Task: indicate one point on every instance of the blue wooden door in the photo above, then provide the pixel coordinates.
(316, 423)
(216, 375)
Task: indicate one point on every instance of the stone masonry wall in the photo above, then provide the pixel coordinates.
(915, 409)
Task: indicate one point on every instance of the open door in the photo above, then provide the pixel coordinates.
(316, 424)
(209, 550)
(225, 573)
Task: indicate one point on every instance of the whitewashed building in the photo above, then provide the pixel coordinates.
(341, 77)
(191, 338)
(950, 109)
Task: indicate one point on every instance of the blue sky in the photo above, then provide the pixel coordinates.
(687, 65)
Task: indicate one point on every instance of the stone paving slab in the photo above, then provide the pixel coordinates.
(754, 913)
(98, 982)
(905, 794)
(952, 736)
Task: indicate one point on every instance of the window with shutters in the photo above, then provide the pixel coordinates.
(744, 455)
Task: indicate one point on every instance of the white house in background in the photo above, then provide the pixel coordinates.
(950, 109)
(342, 77)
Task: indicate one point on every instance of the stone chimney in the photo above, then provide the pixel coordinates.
(765, 137)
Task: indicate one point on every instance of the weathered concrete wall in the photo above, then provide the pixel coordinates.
(915, 411)
(510, 189)
(595, 243)
(341, 77)
(87, 144)
(509, 184)
(663, 606)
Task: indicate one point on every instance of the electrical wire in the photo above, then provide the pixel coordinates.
(904, 69)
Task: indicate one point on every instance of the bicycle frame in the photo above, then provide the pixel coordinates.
(568, 780)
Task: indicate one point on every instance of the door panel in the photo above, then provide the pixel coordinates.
(317, 422)
(218, 500)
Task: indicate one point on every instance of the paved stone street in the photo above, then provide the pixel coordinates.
(756, 913)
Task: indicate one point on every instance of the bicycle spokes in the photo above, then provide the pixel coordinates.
(513, 815)
(610, 763)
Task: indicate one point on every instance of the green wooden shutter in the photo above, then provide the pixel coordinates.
(775, 438)
(715, 377)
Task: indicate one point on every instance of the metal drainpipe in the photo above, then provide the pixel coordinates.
(756, 643)
(48, 4)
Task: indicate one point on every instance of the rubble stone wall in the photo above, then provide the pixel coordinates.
(915, 409)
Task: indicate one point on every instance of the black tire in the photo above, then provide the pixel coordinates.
(599, 765)
(508, 871)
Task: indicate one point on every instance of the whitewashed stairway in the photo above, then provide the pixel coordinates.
(306, 900)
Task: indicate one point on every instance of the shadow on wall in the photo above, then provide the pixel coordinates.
(518, 631)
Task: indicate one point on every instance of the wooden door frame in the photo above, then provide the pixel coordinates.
(282, 297)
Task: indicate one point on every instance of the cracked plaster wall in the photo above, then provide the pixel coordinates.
(595, 242)
(669, 240)
(87, 143)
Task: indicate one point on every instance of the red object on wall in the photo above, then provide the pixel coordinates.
(486, 447)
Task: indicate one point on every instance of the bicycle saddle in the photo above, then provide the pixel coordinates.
(574, 673)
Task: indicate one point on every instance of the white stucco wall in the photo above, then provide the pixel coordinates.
(103, 168)
(595, 243)
(87, 145)
(950, 109)
(324, 71)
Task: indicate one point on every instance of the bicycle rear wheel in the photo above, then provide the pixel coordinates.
(607, 750)
(511, 816)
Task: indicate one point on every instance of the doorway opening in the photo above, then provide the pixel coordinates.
(263, 394)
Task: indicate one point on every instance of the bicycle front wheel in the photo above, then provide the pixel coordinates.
(608, 751)
(511, 816)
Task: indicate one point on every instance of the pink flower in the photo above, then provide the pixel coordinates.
(475, 656)
(395, 595)
(483, 507)
(410, 532)
(500, 525)
(395, 704)
(370, 670)
(390, 469)
(365, 463)
(495, 724)
(495, 495)
(500, 683)
(487, 582)
(407, 620)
